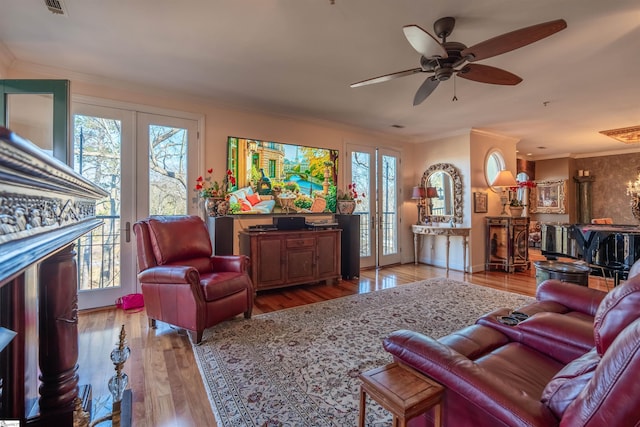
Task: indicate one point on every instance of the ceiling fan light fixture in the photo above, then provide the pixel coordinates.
(628, 135)
(442, 58)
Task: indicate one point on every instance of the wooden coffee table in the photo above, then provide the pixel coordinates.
(402, 391)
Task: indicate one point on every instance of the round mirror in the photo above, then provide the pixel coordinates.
(443, 189)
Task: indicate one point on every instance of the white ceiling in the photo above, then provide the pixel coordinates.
(298, 57)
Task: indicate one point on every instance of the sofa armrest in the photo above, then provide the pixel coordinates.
(564, 338)
(462, 376)
(171, 275)
(571, 295)
(238, 263)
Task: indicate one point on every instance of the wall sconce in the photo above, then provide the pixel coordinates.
(504, 180)
(418, 194)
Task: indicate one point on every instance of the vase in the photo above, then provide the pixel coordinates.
(346, 207)
(516, 211)
(216, 206)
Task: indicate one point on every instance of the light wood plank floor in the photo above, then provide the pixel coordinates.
(167, 388)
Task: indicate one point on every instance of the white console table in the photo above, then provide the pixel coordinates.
(422, 230)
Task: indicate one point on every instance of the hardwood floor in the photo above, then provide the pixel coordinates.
(163, 375)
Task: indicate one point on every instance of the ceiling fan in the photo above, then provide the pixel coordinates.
(445, 59)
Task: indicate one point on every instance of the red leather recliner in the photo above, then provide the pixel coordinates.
(182, 283)
(493, 378)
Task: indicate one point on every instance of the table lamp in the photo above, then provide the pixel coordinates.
(504, 180)
(432, 193)
(418, 194)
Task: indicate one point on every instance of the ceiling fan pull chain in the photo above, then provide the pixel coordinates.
(455, 98)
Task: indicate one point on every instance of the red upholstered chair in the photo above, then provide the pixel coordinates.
(183, 284)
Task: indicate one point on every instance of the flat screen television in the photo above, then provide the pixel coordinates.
(276, 178)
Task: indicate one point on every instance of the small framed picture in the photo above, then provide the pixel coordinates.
(480, 202)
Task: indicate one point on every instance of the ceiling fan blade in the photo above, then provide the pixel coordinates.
(486, 74)
(429, 85)
(513, 40)
(387, 77)
(423, 42)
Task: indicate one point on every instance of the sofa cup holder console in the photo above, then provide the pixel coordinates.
(513, 318)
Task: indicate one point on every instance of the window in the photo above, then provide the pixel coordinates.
(494, 164)
(272, 168)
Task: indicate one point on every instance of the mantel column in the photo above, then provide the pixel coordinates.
(58, 336)
(583, 201)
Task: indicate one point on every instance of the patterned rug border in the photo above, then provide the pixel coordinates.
(350, 310)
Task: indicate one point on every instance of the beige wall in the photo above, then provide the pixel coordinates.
(222, 121)
(481, 144)
(467, 152)
(608, 191)
(454, 150)
(609, 196)
(558, 169)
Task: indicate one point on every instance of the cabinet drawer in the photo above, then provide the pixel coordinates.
(300, 243)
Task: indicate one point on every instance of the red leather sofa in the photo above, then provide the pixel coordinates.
(525, 375)
(182, 283)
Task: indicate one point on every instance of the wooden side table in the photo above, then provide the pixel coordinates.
(402, 391)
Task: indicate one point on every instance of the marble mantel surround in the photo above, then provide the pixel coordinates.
(419, 231)
(44, 208)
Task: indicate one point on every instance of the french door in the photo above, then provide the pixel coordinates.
(142, 160)
(375, 172)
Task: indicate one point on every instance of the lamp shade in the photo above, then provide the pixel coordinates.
(418, 193)
(432, 192)
(504, 179)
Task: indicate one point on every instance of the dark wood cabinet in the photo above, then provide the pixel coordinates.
(507, 243)
(288, 258)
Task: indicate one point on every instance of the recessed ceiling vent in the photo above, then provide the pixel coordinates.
(55, 6)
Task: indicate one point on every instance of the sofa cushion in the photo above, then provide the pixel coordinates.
(176, 238)
(617, 310)
(222, 284)
(565, 386)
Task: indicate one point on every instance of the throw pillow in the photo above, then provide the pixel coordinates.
(245, 205)
(254, 199)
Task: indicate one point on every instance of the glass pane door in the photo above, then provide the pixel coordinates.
(102, 147)
(375, 172)
(166, 154)
(388, 250)
(144, 168)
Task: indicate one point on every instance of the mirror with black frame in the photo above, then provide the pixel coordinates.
(443, 189)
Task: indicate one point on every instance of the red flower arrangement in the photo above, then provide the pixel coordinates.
(207, 187)
(515, 202)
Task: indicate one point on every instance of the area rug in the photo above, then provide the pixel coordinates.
(300, 366)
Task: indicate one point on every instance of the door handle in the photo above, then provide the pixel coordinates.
(127, 232)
